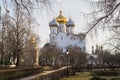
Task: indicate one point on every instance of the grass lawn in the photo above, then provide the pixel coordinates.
(86, 76)
(47, 68)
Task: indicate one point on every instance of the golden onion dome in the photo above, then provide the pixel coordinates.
(61, 18)
(33, 40)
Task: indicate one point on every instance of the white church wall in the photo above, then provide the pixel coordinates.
(70, 29)
(62, 40)
(52, 39)
(53, 30)
(62, 28)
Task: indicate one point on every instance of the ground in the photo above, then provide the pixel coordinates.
(86, 76)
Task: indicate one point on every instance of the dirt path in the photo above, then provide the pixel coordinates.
(43, 73)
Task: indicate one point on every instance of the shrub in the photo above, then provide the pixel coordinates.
(115, 79)
(10, 74)
(97, 78)
(107, 73)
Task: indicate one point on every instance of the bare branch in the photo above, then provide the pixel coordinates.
(104, 17)
(25, 7)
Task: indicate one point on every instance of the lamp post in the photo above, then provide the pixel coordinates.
(67, 52)
(91, 60)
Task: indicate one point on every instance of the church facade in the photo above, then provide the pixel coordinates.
(62, 34)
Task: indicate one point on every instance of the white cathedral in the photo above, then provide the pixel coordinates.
(62, 34)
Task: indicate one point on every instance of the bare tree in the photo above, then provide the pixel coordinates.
(4, 23)
(17, 32)
(29, 5)
(18, 28)
(50, 56)
(114, 41)
(106, 14)
(77, 58)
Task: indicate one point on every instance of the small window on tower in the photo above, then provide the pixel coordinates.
(84, 49)
(61, 37)
(71, 37)
(60, 29)
(53, 38)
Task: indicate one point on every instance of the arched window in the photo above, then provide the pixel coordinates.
(61, 37)
(53, 30)
(53, 38)
(84, 49)
(60, 29)
(71, 37)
